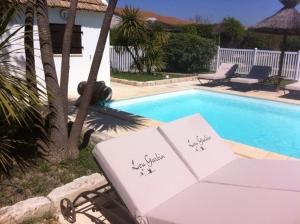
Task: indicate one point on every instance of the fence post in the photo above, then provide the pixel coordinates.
(254, 56)
(218, 57)
(297, 76)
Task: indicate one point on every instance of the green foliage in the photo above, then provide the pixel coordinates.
(189, 53)
(132, 30)
(202, 30)
(21, 122)
(232, 32)
(253, 40)
(142, 40)
(293, 44)
(153, 58)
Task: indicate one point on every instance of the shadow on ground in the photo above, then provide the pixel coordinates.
(107, 120)
(292, 96)
(241, 87)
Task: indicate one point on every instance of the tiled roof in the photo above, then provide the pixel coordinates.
(168, 20)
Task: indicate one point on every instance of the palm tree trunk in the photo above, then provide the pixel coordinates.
(66, 49)
(29, 47)
(58, 127)
(87, 95)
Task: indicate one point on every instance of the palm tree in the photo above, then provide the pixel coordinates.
(29, 46)
(58, 127)
(143, 40)
(87, 95)
(65, 64)
(153, 58)
(19, 104)
(132, 34)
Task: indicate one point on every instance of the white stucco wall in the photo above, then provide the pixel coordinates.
(90, 23)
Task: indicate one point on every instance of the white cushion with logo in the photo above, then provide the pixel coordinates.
(199, 146)
(144, 169)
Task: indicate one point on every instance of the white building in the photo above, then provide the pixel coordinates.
(89, 19)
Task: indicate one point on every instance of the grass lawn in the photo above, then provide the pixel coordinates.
(143, 77)
(44, 177)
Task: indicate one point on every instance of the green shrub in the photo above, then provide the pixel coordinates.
(188, 53)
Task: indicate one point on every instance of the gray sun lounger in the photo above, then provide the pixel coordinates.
(184, 173)
(258, 74)
(224, 72)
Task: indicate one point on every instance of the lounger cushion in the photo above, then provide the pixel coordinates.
(217, 204)
(224, 71)
(293, 86)
(211, 76)
(245, 80)
(198, 145)
(144, 169)
(270, 174)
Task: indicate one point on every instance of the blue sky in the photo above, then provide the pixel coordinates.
(247, 11)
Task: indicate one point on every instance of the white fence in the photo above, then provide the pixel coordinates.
(121, 60)
(245, 58)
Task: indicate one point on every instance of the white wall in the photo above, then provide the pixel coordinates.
(91, 23)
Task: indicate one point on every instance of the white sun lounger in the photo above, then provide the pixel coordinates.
(294, 87)
(162, 184)
(224, 72)
(221, 165)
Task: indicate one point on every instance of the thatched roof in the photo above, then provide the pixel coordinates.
(89, 5)
(286, 20)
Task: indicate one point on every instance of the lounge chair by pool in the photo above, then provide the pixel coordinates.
(257, 75)
(294, 87)
(184, 173)
(224, 72)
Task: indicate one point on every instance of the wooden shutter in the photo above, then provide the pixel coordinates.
(57, 36)
(76, 40)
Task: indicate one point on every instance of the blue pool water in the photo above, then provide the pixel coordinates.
(260, 123)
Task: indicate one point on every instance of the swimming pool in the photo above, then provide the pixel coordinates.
(264, 124)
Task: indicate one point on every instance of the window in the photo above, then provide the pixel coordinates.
(57, 36)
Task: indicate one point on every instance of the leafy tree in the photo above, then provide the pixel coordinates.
(202, 30)
(232, 32)
(188, 53)
(293, 43)
(253, 40)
